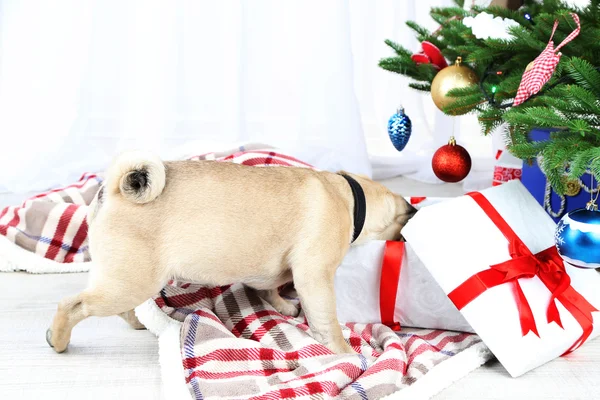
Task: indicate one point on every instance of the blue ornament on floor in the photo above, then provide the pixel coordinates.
(577, 237)
(399, 129)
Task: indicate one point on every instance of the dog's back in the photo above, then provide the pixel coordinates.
(215, 222)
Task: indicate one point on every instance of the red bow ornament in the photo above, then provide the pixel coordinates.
(430, 54)
(540, 70)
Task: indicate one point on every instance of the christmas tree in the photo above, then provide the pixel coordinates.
(568, 103)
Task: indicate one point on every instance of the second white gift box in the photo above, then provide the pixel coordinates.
(493, 254)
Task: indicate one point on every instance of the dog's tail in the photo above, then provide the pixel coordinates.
(138, 176)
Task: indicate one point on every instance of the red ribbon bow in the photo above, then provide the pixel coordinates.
(547, 265)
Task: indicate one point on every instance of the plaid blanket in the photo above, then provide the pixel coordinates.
(232, 344)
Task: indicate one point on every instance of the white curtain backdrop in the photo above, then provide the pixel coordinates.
(81, 80)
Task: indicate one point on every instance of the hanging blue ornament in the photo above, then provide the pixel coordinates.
(577, 237)
(399, 129)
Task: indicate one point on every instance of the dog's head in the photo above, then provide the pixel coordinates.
(401, 212)
(387, 212)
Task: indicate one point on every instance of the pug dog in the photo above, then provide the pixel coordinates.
(219, 223)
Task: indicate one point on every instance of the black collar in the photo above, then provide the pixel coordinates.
(360, 206)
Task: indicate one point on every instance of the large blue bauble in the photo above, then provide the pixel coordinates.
(578, 238)
(399, 129)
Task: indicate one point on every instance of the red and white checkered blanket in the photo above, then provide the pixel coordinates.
(226, 342)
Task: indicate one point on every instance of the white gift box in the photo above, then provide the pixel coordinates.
(457, 241)
(419, 301)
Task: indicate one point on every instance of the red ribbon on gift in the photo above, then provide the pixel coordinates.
(547, 266)
(388, 286)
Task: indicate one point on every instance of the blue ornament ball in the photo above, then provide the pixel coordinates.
(399, 129)
(577, 237)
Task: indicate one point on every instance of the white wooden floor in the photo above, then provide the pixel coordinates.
(106, 359)
(109, 360)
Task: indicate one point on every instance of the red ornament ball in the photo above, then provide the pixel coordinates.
(451, 163)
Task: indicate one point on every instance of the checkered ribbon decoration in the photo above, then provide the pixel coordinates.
(541, 69)
(235, 345)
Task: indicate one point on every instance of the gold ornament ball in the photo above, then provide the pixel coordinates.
(452, 77)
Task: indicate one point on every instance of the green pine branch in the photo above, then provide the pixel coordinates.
(399, 49)
(423, 87)
(584, 74)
